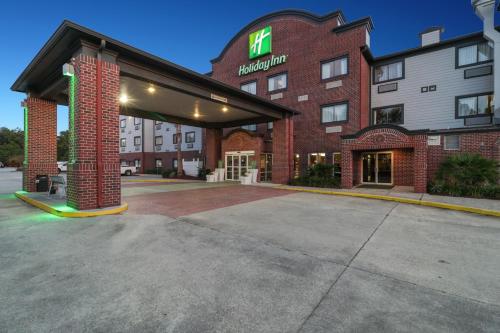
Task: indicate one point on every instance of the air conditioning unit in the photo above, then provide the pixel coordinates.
(137, 148)
(176, 146)
(158, 127)
(123, 149)
(158, 147)
(123, 130)
(190, 145)
(136, 127)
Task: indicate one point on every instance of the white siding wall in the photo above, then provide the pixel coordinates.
(431, 110)
(167, 130)
(129, 132)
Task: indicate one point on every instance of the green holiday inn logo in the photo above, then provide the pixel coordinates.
(259, 42)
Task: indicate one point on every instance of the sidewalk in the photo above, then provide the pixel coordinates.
(405, 194)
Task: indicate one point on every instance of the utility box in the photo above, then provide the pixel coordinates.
(42, 183)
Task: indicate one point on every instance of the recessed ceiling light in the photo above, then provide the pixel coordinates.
(123, 98)
(224, 109)
(196, 115)
(151, 89)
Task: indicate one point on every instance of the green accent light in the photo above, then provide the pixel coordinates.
(259, 42)
(25, 162)
(72, 143)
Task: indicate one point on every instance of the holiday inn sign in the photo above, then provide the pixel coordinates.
(260, 44)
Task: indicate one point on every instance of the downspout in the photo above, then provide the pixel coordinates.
(485, 10)
(99, 166)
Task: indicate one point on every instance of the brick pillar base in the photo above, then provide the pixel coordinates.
(83, 180)
(282, 150)
(347, 175)
(420, 164)
(40, 141)
(213, 141)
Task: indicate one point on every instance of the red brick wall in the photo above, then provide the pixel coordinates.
(403, 167)
(306, 43)
(212, 147)
(82, 174)
(487, 144)
(42, 141)
(283, 147)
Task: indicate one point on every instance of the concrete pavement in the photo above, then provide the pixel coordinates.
(290, 263)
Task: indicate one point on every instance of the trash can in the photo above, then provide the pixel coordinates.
(42, 183)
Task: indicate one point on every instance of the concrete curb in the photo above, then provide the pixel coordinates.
(480, 211)
(75, 213)
(150, 181)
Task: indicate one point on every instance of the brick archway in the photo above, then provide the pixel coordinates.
(411, 148)
(243, 140)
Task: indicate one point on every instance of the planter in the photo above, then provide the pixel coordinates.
(246, 180)
(211, 178)
(220, 172)
(254, 173)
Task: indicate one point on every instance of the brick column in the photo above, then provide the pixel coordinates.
(213, 141)
(40, 151)
(420, 164)
(347, 168)
(83, 180)
(282, 150)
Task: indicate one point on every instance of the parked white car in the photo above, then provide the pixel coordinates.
(62, 166)
(128, 170)
(2, 165)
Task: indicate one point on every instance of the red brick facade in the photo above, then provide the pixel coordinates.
(82, 172)
(307, 42)
(42, 141)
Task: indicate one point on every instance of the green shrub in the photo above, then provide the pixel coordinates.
(466, 175)
(202, 173)
(169, 173)
(319, 175)
(156, 171)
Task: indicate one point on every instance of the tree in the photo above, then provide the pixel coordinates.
(11, 144)
(63, 146)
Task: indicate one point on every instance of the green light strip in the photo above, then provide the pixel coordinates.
(72, 143)
(25, 162)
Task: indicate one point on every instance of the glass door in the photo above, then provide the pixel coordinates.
(377, 168)
(266, 167)
(237, 165)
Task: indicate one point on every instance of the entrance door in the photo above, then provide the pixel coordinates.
(377, 168)
(266, 167)
(237, 164)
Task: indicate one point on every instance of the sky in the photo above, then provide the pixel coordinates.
(190, 33)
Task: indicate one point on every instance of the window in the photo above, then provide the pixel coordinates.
(175, 164)
(175, 138)
(124, 163)
(137, 121)
(252, 127)
(137, 163)
(123, 142)
(337, 164)
(277, 82)
(474, 54)
(123, 123)
(270, 125)
(190, 137)
(334, 113)
(137, 140)
(388, 72)
(250, 87)
(316, 158)
(334, 68)
(451, 142)
(158, 140)
(158, 122)
(158, 163)
(474, 105)
(388, 115)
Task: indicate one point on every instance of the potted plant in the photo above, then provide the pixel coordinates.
(211, 177)
(246, 179)
(220, 171)
(253, 171)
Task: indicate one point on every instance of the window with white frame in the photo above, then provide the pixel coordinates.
(334, 113)
(277, 82)
(388, 72)
(123, 123)
(137, 163)
(270, 125)
(190, 137)
(251, 127)
(475, 105)
(137, 121)
(333, 68)
(250, 87)
(158, 163)
(474, 54)
(123, 142)
(137, 140)
(158, 140)
(451, 142)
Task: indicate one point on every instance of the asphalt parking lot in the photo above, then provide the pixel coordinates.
(197, 257)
